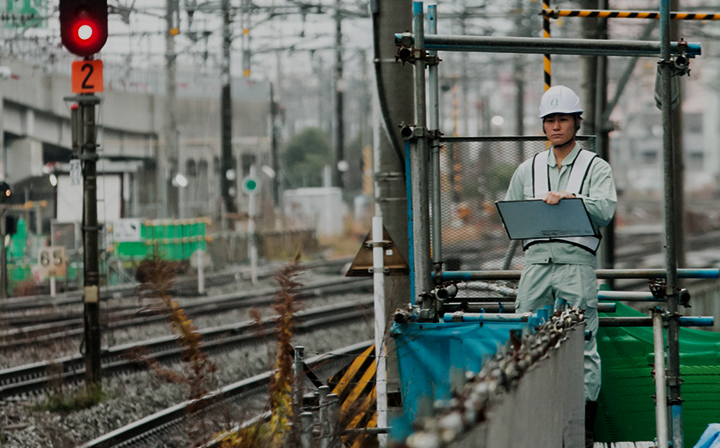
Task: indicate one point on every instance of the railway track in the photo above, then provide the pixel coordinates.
(149, 430)
(37, 377)
(61, 330)
(182, 287)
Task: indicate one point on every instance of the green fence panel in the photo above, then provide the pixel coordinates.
(176, 240)
(627, 407)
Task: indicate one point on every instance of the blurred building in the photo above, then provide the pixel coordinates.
(36, 138)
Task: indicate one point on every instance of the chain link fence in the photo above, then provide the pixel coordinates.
(476, 172)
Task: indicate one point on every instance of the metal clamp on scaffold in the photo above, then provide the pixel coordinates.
(681, 63)
(658, 288)
(411, 132)
(408, 53)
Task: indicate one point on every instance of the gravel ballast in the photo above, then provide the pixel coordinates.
(134, 396)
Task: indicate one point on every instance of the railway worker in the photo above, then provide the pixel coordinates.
(561, 271)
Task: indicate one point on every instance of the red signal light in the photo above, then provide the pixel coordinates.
(83, 25)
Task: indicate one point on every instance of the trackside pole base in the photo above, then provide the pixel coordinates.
(252, 249)
(53, 287)
(201, 271)
(379, 296)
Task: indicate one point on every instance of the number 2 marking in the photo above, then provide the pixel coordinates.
(85, 85)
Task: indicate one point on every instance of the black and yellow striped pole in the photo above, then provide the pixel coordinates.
(547, 66)
(548, 13)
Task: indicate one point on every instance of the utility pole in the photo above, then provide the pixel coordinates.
(602, 139)
(169, 150)
(678, 155)
(519, 75)
(91, 269)
(395, 98)
(338, 127)
(274, 109)
(465, 82)
(245, 40)
(226, 182)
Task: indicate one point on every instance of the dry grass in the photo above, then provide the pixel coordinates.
(198, 372)
(276, 432)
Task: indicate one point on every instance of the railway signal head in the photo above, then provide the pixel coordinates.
(83, 25)
(5, 192)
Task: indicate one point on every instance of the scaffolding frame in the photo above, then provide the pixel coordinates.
(421, 50)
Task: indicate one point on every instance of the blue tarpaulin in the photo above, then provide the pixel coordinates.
(433, 358)
(710, 438)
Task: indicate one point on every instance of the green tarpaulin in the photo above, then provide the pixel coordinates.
(627, 407)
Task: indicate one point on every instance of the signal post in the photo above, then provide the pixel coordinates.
(83, 28)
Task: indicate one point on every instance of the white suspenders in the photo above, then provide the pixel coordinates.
(541, 186)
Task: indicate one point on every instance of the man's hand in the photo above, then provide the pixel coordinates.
(554, 197)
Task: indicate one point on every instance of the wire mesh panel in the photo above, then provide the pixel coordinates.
(476, 172)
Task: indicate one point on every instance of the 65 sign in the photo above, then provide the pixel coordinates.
(52, 261)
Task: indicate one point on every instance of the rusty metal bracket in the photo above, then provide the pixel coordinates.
(657, 288)
(432, 60)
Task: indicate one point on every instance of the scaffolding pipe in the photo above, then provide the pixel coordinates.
(504, 291)
(532, 45)
(419, 168)
(611, 14)
(434, 126)
(601, 274)
(694, 321)
(673, 327)
(503, 307)
(410, 222)
(461, 316)
(660, 388)
(486, 317)
(627, 296)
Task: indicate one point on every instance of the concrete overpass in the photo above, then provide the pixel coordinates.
(36, 133)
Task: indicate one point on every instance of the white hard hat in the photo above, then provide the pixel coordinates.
(559, 100)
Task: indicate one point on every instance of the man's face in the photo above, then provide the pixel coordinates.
(559, 128)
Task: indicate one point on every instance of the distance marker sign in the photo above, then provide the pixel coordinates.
(52, 261)
(87, 76)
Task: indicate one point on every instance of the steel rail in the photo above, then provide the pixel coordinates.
(533, 45)
(177, 413)
(107, 293)
(602, 14)
(196, 307)
(134, 356)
